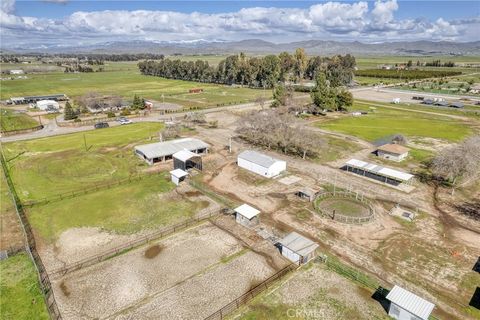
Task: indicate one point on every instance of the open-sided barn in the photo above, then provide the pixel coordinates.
(162, 151)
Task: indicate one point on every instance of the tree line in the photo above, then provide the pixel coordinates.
(406, 74)
(255, 72)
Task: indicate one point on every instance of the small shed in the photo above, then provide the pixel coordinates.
(246, 215)
(405, 305)
(185, 160)
(307, 193)
(261, 164)
(393, 151)
(297, 248)
(178, 175)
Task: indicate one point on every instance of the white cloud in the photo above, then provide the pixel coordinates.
(331, 20)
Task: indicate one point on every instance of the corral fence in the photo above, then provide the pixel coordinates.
(345, 195)
(95, 188)
(135, 243)
(20, 131)
(332, 263)
(31, 248)
(252, 293)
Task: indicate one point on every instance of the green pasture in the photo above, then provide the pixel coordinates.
(49, 166)
(367, 62)
(125, 209)
(20, 295)
(382, 121)
(127, 82)
(335, 148)
(9, 120)
(6, 203)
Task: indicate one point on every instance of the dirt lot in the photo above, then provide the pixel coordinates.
(186, 276)
(314, 293)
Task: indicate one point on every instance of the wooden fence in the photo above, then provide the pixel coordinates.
(76, 193)
(349, 195)
(134, 243)
(20, 131)
(45, 284)
(252, 293)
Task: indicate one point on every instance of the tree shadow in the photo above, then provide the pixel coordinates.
(470, 209)
(380, 296)
(476, 267)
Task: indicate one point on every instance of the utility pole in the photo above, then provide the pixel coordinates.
(85, 141)
(230, 145)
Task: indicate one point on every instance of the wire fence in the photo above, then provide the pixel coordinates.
(341, 217)
(252, 293)
(135, 243)
(45, 284)
(95, 188)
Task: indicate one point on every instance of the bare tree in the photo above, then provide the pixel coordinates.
(279, 130)
(400, 139)
(460, 161)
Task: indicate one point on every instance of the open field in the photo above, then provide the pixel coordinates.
(49, 166)
(188, 275)
(127, 208)
(126, 83)
(382, 122)
(10, 121)
(21, 298)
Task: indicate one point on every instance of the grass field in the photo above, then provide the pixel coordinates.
(127, 208)
(127, 82)
(21, 298)
(15, 121)
(383, 122)
(346, 207)
(49, 166)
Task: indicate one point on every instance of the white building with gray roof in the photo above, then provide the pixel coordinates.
(261, 164)
(298, 248)
(162, 151)
(405, 305)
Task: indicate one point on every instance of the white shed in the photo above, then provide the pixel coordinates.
(178, 175)
(405, 305)
(47, 105)
(261, 164)
(297, 248)
(246, 215)
(393, 151)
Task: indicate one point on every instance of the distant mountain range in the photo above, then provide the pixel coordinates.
(255, 46)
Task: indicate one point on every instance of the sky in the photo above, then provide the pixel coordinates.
(70, 23)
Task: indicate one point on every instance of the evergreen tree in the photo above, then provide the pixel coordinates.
(323, 96)
(69, 113)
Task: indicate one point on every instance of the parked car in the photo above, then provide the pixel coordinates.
(100, 125)
(125, 121)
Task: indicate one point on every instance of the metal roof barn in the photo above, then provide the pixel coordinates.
(162, 150)
(379, 170)
(261, 164)
(409, 302)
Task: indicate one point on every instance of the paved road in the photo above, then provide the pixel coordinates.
(52, 129)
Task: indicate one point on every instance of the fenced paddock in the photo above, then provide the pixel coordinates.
(135, 243)
(347, 216)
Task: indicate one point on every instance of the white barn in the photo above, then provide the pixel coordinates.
(405, 305)
(246, 215)
(261, 164)
(47, 105)
(297, 248)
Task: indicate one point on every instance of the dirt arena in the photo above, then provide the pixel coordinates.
(188, 275)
